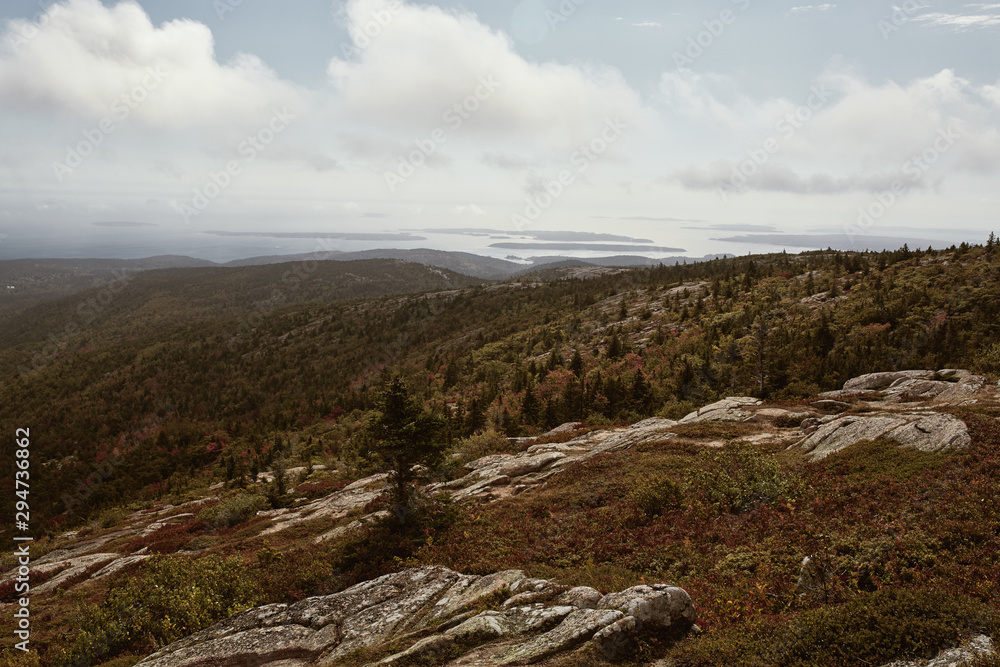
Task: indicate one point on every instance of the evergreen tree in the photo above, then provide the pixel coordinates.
(402, 436)
(529, 406)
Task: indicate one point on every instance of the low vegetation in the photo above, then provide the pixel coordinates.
(904, 544)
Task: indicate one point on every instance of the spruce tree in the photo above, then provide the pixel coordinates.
(402, 436)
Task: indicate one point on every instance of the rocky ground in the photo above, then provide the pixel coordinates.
(507, 618)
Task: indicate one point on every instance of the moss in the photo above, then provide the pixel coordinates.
(870, 459)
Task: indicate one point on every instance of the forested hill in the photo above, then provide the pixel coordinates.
(190, 373)
(150, 301)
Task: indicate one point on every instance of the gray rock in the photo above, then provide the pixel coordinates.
(727, 410)
(929, 432)
(962, 656)
(400, 607)
(469, 591)
(953, 374)
(961, 392)
(662, 608)
(876, 381)
(582, 597)
(577, 628)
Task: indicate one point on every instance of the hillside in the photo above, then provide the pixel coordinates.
(25, 282)
(172, 395)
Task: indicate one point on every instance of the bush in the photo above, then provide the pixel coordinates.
(108, 518)
(738, 477)
(988, 360)
(172, 598)
(871, 459)
(654, 496)
(871, 629)
(234, 510)
(484, 444)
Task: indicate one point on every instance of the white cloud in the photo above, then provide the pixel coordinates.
(500, 160)
(980, 15)
(648, 24)
(84, 56)
(426, 60)
(776, 177)
(697, 97)
(812, 8)
(867, 131)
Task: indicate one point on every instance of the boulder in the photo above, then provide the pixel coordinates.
(929, 432)
(660, 608)
(963, 656)
(583, 597)
(876, 381)
(727, 410)
(578, 627)
(401, 607)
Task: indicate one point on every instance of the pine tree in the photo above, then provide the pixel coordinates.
(402, 436)
(529, 407)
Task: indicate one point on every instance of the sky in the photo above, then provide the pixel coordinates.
(694, 127)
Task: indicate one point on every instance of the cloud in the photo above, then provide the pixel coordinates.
(812, 8)
(471, 209)
(426, 60)
(781, 178)
(83, 56)
(982, 15)
(697, 96)
(508, 161)
(647, 24)
(866, 132)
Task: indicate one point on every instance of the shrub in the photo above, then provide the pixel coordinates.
(871, 629)
(654, 496)
(988, 360)
(172, 598)
(108, 518)
(870, 459)
(233, 510)
(738, 477)
(484, 444)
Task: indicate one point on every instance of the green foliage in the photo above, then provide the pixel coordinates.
(738, 478)
(484, 444)
(233, 510)
(402, 436)
(655, 496)
(169, 599)
(988, 360)
(871, 629)
(868, 459)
